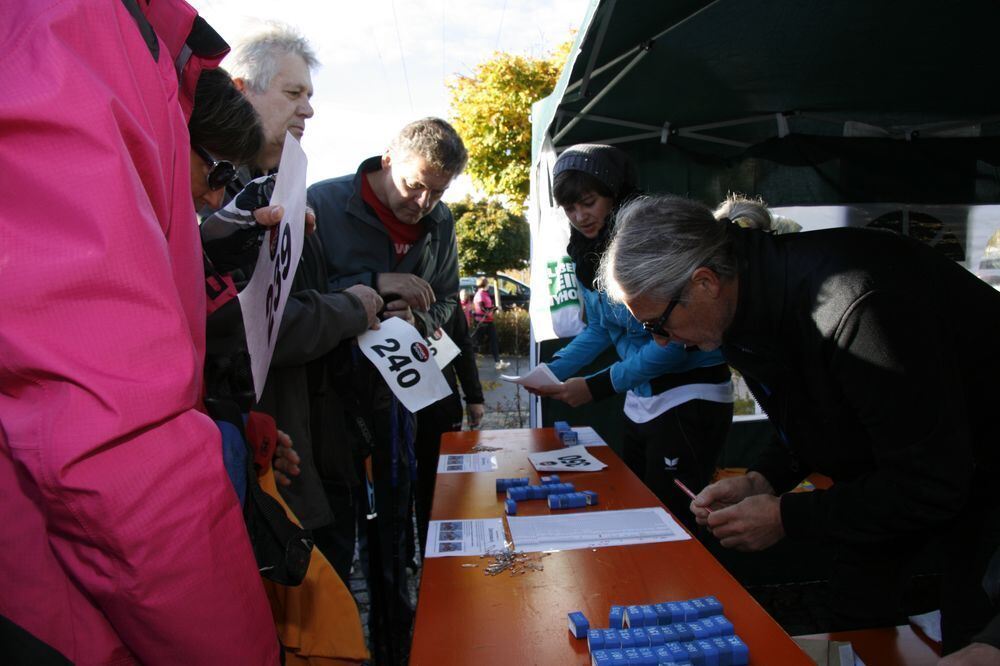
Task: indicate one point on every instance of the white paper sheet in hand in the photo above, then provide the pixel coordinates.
(401, 354)
(443, 348)
(539, 377)
(263, 299)
(570, 459)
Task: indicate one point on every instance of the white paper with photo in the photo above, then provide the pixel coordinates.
(403, 358)
(452, 463)
(570, 459)
(587, 436)
(594, 529)
(453, 538)
(443, 348)
(263, 299)
(539, 377)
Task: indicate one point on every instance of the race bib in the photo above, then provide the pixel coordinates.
(570, 459)
(404, 359)
(263, 300)
(443, 348)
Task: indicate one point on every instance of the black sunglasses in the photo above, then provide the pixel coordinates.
(221, 172)
(656, 327)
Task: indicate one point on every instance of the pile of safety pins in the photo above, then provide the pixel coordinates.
(510, 560)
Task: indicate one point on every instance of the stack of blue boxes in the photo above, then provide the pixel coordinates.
(566, 434)
(681, 633)
(573, 500)
(559, 495)
(521, 493)
(504, 484)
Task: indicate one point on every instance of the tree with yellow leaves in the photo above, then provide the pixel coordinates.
(490, 109)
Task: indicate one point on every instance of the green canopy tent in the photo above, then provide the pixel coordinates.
(854, 103)
(799, 102)
(802, 103)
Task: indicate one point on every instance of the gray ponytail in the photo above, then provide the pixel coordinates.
(746, 212)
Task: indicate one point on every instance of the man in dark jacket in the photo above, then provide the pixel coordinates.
(385, 227)
(272, 70)
(872, 356)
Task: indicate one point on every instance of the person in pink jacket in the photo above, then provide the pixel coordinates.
(482, 314)
(121, 540)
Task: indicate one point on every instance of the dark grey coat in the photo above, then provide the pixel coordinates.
(358, 247)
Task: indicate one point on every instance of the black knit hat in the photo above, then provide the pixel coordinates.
(610, 165)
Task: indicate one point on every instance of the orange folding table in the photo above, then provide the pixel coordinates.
(466, 617)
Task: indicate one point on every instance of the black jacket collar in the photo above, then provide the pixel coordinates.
(760, 304)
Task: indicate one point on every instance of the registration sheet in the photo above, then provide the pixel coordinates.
(467, 462)
(451, 538)
(593, 529)
(587, 436)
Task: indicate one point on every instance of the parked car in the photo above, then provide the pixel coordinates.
(513, 293)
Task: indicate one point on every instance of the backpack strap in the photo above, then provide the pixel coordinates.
(145, 29)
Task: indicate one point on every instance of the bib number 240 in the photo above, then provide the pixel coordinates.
(405, 376)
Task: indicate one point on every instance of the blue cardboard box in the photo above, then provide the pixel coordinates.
(676, 611)
(738, 650)
(634, 616)
(714, 605)
(721, 624)
(709, 653)
(578, 624)
(600, 658)
(639, 637)
(655, 636)
(618, 658)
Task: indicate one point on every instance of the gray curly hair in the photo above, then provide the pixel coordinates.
(255, 58)
(435, 141)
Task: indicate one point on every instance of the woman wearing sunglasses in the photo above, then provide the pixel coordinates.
(225, 132)
(678, 403)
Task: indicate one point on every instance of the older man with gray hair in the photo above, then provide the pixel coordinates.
(870, 353)
(272, 68)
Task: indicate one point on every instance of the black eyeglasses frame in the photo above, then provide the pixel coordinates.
(656, 327)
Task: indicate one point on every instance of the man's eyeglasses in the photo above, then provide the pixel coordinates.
(656, 327)
(221, 172)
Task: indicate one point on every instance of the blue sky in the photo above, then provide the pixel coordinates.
(386, 62)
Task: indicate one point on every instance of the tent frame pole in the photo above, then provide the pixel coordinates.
(609, 10)
(638, 47)
(599, 96)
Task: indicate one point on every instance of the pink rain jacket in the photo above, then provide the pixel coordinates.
(121, 539)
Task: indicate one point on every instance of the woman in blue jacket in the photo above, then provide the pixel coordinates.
(679, 403)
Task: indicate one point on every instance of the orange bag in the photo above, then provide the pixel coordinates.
(317, 621)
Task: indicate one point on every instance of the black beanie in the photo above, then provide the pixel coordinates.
(612, 166)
